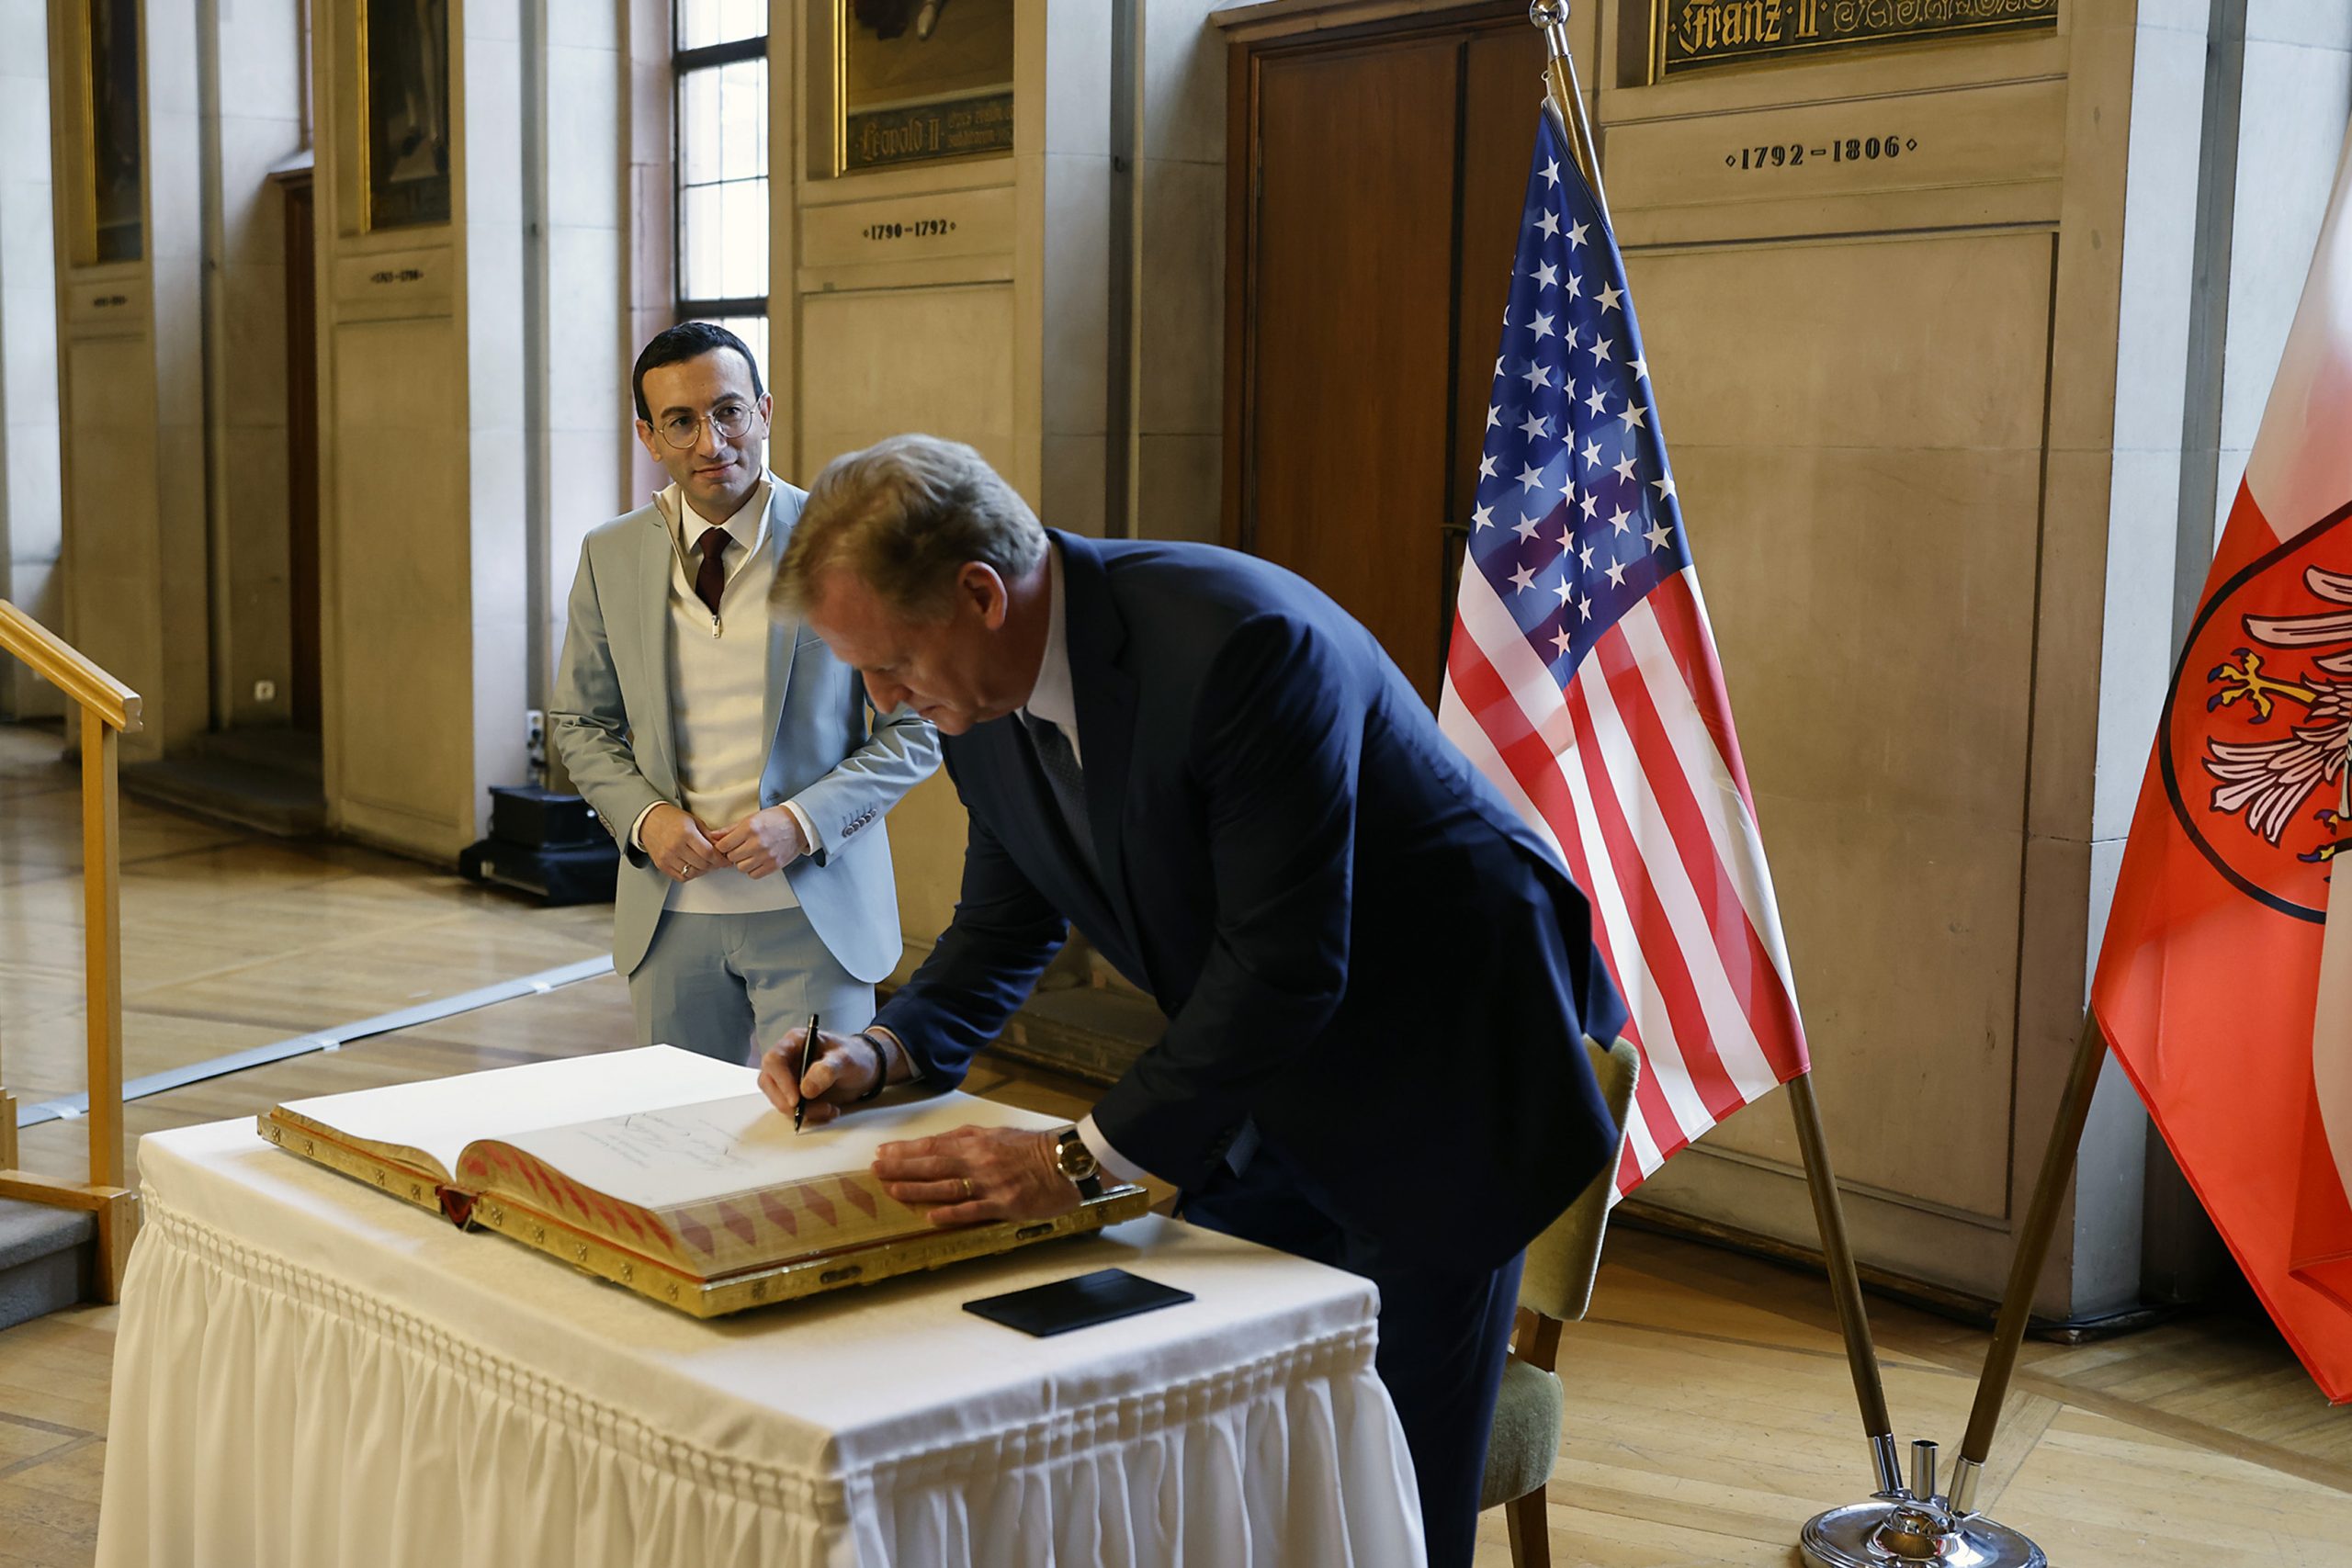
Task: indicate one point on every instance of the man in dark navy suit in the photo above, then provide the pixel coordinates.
(1377, 981)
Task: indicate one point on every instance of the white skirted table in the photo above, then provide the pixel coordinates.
(308, 1372)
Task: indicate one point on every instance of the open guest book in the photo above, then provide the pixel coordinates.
(666, 1172)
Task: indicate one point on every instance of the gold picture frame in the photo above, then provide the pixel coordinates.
(405, 168)
(915, 82)
(113, 222)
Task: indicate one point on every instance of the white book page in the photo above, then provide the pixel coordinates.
(441, 1116)
(661, 1157)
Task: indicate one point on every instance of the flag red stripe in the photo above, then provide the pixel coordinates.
(1746, 966)
(1629, 1169)
(1665, 1129)
(1512, 732)
(1669, 968)
(1534, 765)
(1531, 762)
(1675, 602)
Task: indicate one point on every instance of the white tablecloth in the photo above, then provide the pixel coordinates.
(311, 1374)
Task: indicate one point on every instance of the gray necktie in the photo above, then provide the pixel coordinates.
(1067, 781)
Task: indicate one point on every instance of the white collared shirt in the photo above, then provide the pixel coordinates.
(1052, 697)
(719, 694)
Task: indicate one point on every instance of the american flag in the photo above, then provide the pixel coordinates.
(1582, 681)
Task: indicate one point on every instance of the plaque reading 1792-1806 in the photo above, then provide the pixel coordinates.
(1687, 34)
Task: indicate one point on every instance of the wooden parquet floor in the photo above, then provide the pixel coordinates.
(1709, 1413)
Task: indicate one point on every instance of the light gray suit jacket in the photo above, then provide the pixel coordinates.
(612, 723)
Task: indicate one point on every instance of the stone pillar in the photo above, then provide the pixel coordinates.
(31, 513)
(1180, 298)
(257, 96)
(131, 332)
(587, 330)
(472, 411)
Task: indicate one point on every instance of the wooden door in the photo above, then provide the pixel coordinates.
(1376, 192)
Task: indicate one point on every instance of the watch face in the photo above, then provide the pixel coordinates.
(1078, 1161)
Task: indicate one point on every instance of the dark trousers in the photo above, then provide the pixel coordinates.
(1443, 1334)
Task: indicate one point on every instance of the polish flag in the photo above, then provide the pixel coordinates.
(2225, 982)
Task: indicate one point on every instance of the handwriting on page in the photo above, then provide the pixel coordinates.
(683, 1139)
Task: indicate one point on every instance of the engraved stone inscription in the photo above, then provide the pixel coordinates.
(1835, 150)
(1693, 33)
(920, 228)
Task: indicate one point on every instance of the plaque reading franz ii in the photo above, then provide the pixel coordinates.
(1687, 34)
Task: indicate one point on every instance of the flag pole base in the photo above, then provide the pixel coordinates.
(1891, 1533)
(1917, 1524)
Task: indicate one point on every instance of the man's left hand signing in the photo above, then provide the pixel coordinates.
(762, 843)
(979, 1174)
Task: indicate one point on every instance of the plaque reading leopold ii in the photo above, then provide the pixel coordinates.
(1690, 33)
(923, 79)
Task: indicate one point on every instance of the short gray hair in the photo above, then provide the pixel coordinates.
(905, 514)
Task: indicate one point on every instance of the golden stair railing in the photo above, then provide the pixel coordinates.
(107, 708)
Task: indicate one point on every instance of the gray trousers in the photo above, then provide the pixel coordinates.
(728, 986)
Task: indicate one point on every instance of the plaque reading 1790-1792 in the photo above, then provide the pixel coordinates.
(1688, 34)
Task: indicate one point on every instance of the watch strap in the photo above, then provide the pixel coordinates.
(881, 1068)
(1089, 1187)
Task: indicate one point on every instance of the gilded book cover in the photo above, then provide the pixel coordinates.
(629, 1166)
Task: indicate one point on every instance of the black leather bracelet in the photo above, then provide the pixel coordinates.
(881, 1068)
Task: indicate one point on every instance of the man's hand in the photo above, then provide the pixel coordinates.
(678, 844)
(762, 843)
(979, 1174)
(843, 1070)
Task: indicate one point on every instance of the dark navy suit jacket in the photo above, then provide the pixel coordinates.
(1355, 941)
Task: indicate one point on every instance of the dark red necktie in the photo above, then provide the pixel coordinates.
(711, 581)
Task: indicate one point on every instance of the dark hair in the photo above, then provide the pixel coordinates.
(688, 340)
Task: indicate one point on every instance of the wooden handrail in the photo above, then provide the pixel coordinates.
(108, 708)
(66, 667)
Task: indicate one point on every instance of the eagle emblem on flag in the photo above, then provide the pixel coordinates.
(2268, 781)
(2264, 707)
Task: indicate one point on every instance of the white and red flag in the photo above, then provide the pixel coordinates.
(2225, 981)
(1582, 682)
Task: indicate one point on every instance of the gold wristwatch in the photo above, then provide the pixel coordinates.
(1078, 1163)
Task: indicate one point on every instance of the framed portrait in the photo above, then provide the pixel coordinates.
(404, 111)
(918, 81)
(117, 220)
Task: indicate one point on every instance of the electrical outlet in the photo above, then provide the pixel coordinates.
(535, 736)
(264, 691)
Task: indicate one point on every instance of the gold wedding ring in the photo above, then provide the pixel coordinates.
(968, 1189)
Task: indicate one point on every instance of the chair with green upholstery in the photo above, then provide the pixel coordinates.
(1555, 1288)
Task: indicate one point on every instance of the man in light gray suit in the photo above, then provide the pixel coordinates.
(728, 751)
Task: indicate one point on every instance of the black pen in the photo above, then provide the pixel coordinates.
(808, 1060)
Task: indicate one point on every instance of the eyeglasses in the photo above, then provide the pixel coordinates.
(727, 421)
